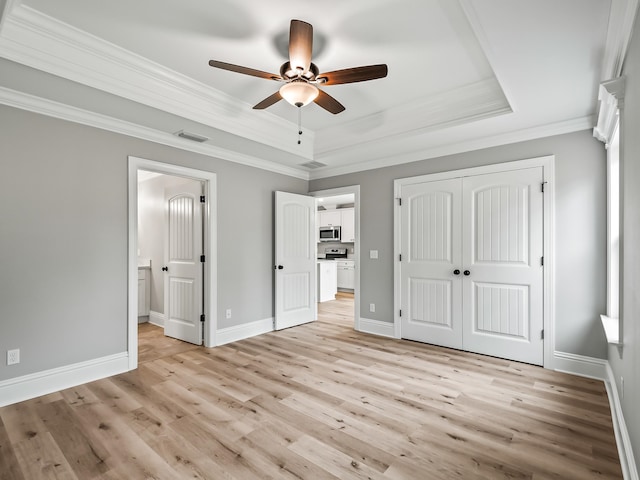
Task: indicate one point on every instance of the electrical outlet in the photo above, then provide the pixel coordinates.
(228, 313)
(373, 254)
(372, 307)
(13, 356)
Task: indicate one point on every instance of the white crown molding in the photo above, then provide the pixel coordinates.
(42, 42)
(481, 36)
(8, 8)
(611, 100)
(621, 20)
(50, 108)
(373, 162)
(465, 104)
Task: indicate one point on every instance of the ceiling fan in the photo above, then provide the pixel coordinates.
(301, 77)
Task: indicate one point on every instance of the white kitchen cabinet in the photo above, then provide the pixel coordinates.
(144, 292)
(346, 274)
(347, 221)
(329, 218)
(327, 280)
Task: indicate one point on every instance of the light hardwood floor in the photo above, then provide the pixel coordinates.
(313, 402)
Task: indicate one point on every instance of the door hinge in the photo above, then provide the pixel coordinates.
(399, 201)
(541, 334)
(202, 318)
(202, 259)
(542, 186)
(542, 261)
(202, 199)
(400, 312)
(400, 257)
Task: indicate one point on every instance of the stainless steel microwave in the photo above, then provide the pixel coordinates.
(329, 234)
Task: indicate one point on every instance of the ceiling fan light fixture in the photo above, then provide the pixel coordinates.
(299, 93)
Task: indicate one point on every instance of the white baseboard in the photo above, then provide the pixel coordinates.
(42, 383)
(246, 330)
(589, 367)
(156, 318)
(601, 370)
(625, 450)
(376, 327)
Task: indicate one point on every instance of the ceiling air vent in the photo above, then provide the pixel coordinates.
(191, 136)
(313, 164)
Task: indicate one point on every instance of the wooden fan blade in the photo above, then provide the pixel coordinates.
(329, 103)
(267, 102)
(244, 70)
(300, 44)
(355, 74)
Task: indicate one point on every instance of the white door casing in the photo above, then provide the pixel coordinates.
(500, 280)
(183, 285)
(431, 252)
(502, 251)
(295, 259)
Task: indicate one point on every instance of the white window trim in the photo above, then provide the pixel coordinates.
(608, 130)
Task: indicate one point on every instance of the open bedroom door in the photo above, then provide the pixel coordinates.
(295, 259)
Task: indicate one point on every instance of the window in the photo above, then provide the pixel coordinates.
(613, 230)
(611, 97)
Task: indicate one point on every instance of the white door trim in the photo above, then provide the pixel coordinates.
(548, 168)
(210, 248)
(355, 189)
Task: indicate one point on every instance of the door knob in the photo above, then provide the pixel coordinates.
(165, 269)
(467, 272)
(279, 267)
(456, 272)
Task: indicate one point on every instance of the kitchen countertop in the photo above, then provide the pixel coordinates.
(144, 263)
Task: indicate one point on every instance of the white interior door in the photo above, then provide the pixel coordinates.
(431, 254)
(502, 253)
(183, 281)
(295, 259)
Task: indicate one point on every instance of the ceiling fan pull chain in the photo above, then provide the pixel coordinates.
(299, 125)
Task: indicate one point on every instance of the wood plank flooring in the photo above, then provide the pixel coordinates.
(319, 401)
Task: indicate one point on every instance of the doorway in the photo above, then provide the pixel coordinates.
(342, 207)
(170, 271)
(208, 181)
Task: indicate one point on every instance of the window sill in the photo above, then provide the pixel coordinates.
(611, 329)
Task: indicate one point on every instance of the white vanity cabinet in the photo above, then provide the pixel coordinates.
(327, 280)
(144, 291)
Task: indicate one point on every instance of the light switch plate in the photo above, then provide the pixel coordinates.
(373, 254)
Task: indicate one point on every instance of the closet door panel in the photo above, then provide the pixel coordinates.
(431, 251)
(502, 251)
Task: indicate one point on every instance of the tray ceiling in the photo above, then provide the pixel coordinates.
(462, 73)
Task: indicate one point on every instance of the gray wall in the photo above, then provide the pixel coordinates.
(63, 238)
(627, 362)
(580, 230)
(151, 230)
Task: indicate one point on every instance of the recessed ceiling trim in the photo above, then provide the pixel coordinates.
(621, 20)
(458, 106)
(31, 103)
(523, 135)
(40, 41)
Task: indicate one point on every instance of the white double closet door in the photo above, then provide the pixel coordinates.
(471, 274)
